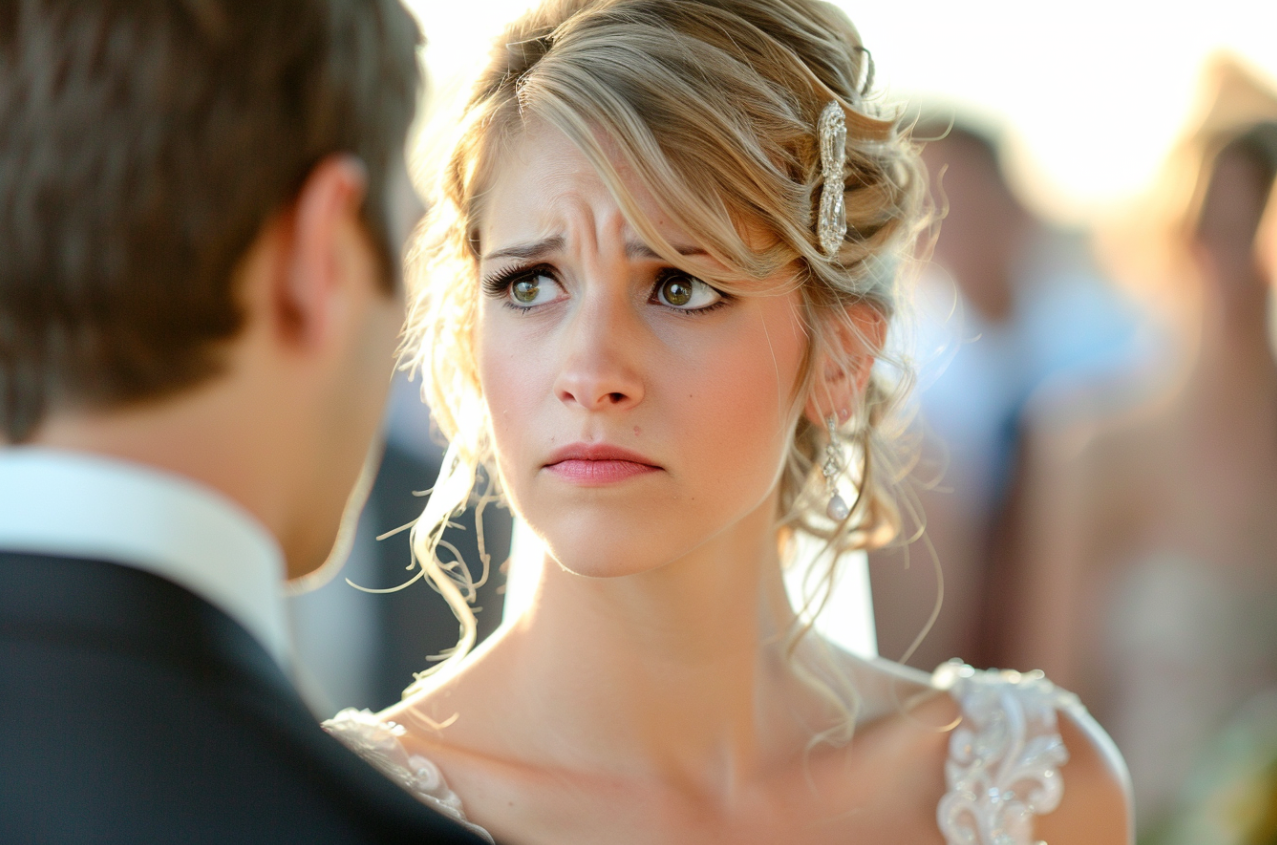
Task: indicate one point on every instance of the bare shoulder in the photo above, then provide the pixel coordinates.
(445, 709)
(884, 687)
(1005, 739)
(457, 716)
(1096, 807)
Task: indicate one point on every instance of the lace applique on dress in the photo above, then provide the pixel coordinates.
(1005, 756)
(378, 743)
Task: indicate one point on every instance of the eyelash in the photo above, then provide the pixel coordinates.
(497, 286)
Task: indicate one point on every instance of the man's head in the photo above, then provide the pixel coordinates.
(202, 209)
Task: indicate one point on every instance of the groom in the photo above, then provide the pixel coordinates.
(202, 209)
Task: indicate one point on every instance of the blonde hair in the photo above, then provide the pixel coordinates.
(712, 106)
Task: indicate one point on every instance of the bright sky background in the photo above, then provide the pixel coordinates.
(1092, 92)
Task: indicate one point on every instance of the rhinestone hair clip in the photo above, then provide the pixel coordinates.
(831, 227)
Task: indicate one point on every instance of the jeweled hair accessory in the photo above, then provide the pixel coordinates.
(831, 227)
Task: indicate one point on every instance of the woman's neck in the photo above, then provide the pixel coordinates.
(679, 672)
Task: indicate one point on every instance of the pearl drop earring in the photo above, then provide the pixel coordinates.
(837, 509)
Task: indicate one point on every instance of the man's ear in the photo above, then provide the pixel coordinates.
(844, 361)
(324, 246)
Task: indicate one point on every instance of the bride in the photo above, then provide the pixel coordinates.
(663, 269)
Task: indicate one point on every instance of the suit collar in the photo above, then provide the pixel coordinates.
(63, 503)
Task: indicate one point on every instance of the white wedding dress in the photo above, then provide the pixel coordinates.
(1003, 767)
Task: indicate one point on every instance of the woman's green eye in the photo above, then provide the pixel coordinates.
(686, 293)
(526, 291)
(677, 292)
(532, 289)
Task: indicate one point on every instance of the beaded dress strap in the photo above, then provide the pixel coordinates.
(1004, 757)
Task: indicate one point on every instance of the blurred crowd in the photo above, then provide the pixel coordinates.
(1099, 476)
(1098, 471)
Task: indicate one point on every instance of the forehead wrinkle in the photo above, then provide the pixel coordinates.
(566, 205)
(545, 221)
(586, 219)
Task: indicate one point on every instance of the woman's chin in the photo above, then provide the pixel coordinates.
(611, 551)
(599, 540)
(604, 561)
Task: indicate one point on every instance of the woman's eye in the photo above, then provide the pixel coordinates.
(679, 290)
(534, 289)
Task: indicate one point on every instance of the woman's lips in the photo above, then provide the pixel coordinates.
(592, 464)
(591, 472)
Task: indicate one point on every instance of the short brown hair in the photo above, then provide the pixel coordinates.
(143, 144)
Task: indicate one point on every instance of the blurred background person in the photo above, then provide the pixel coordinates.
(1149, 541)
(1008, 304)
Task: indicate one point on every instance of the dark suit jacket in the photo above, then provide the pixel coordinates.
(132, 711)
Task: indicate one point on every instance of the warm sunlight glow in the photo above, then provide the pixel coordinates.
(1093, 92)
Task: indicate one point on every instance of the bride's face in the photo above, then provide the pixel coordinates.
(638, 414)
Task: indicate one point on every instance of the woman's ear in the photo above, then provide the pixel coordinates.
(844, 361)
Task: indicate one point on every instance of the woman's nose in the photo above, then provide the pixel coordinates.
(601, 356)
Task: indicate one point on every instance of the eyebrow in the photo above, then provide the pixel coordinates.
(539, 249)
(527, 252)
(636, 249)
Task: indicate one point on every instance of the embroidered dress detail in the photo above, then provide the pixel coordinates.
(1004, 757)
(378, 743)
(1003, 768)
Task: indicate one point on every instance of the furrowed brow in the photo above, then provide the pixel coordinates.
(527, 252)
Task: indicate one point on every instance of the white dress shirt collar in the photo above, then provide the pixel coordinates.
(76, 504)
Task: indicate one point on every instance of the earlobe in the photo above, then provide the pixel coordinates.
(844, 363)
